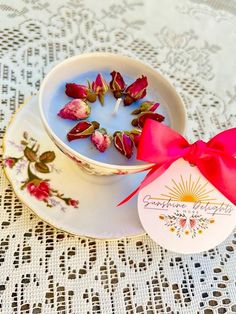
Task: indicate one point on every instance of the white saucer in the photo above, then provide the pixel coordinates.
(97, 215)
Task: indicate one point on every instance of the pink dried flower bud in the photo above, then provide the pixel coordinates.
(100, 87)
(117, 84)
(123, 143)
(149, 106)
(135, 135)
(140, 120)
(76, 109)
(136, 91)
(82, 130)
(146, 106)
(80, 92)
(76, 90)
(101, 140)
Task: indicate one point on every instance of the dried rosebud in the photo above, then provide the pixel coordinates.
(101, 140)
(80, 92)
(135, 135)
(76, 90)
(136, 111)
(146, 106)
(123, 143)
(136, 91)
(140, 120)
(91, 96)
(100, 87)
(82, 129)
(149, 106)
(117, 84)
(77, 109)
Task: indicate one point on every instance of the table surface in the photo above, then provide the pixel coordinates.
(44, 270)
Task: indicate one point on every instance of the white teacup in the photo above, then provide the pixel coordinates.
(72, 67)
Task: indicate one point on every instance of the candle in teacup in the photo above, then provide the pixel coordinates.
(113, 114)
(109, 113)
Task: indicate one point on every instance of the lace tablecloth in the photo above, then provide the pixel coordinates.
(44, 270)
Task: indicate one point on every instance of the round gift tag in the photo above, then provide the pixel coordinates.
(183, 212)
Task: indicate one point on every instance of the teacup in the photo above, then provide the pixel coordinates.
(72, 67)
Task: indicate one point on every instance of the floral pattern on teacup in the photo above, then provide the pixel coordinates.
(34, 164)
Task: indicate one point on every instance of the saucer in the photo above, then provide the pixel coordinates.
(58, 191)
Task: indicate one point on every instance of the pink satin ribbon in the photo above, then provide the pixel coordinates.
(161, 145)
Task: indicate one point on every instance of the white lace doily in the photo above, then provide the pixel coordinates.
(47, 271)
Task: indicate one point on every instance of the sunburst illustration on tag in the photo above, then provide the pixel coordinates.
(188, 190)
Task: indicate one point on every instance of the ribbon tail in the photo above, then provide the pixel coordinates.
(154, 173)
(129, 197)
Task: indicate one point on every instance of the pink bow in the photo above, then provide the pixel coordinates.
(161, 145)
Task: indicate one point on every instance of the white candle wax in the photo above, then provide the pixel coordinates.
(120, 121)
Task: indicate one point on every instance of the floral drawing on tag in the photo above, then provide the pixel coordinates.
(183, 225)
